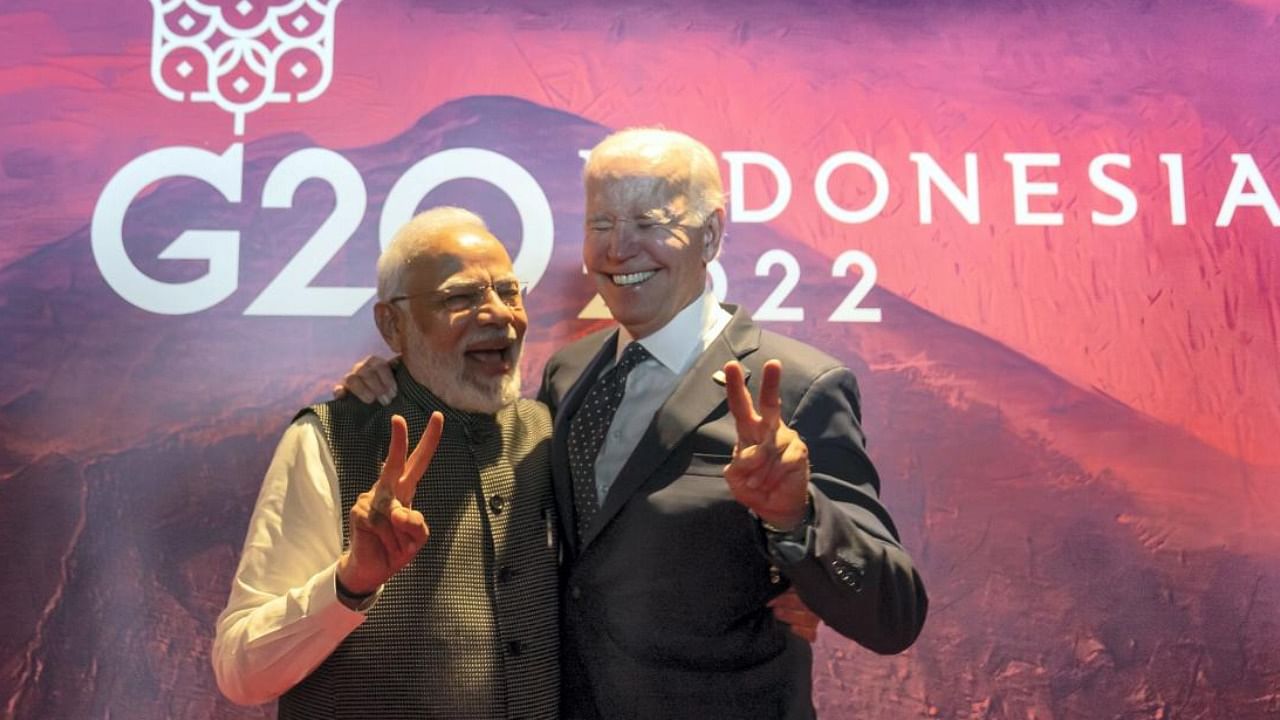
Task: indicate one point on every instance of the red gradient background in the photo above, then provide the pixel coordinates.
(1076, 424)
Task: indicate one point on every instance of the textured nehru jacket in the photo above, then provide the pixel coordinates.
(468, 629)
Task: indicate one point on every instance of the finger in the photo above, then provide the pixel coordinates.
(787, 468)
(739, 398)
(789, 459)
(357, 386)
(750, 498)
(391, 540)
(372, 520)
(797, 619)
(789, 600)
(794, 456)
(376, 376)
(393, 468)
(736, 473)
(421, 458)
(746, 497)
(789, 608)
(752, 457)
(410, 544)
(367, 549)
(339, 392)
(382, 379)
(766, 479)
(805, 632)
(411, 526)
(770, 398)
(746, 464)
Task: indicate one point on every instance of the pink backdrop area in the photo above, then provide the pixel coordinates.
(1075, 423)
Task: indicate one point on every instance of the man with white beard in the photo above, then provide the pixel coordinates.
(368, 618)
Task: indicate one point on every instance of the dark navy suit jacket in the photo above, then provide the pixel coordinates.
(664, 608)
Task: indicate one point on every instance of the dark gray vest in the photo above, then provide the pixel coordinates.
(469, 628)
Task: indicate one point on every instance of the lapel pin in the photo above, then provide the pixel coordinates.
(721, 380)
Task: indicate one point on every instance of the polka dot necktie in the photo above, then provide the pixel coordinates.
(588, 428)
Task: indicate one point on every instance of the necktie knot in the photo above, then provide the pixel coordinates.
(632, 355)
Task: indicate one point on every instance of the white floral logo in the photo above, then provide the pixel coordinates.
(242, 54)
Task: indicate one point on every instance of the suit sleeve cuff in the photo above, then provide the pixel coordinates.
(792, 546)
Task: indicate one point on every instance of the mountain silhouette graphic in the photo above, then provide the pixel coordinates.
(1083, 559)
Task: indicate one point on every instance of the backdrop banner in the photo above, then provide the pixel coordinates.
(1044, 236)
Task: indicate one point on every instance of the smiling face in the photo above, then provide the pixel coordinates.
(457, 323)
(645, 244)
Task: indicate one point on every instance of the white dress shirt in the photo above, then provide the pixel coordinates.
(674, 348)
(284, 617)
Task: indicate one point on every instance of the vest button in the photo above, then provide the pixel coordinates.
(497, 504)
(575, 592)
(515, 647)
(505, 573)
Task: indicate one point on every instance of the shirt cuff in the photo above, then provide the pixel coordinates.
(790, 548)
(328, 599)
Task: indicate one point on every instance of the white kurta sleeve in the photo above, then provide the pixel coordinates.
(283, 617)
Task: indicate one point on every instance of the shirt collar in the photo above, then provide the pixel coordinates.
(677, 343)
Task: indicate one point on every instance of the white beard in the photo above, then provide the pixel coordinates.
(445, 375)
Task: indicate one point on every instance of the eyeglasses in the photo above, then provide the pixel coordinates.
(469, 297)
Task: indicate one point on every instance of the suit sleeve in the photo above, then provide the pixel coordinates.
(852, 571)
(545, 394)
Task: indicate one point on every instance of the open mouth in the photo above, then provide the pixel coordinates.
(496, 355)
(634, 278)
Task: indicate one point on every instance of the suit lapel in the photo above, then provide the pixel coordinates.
(696, 396)
(584, 376)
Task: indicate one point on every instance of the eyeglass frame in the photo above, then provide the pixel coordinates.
(478, 294)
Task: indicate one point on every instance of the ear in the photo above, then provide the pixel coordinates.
(390, 322)
(713, 233)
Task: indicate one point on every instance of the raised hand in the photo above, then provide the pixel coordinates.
(769, 472)
(386, 532)
(370, 379)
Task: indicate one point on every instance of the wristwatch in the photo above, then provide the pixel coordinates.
(796, 534)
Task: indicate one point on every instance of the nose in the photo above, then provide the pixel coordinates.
(494, 311)
(623, 241)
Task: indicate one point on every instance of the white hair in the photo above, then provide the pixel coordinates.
(698, 169)
(415, 237)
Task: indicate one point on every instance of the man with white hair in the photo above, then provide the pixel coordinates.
(687, 508)
(369, 618)
(693, 506)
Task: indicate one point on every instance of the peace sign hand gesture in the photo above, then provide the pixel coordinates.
(386, 532)
(769, 472)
